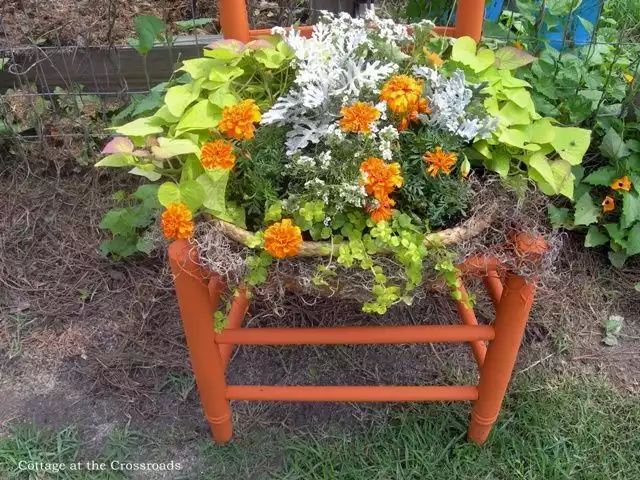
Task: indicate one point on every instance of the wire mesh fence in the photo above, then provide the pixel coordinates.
(71, 69)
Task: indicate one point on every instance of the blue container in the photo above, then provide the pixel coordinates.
(588, 10)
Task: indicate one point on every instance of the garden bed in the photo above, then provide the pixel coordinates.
(83, 23)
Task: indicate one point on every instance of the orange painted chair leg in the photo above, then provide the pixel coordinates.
(234, 21)
(237, 313)
(197, 317)
(469, 19)
(511, 318)
(468, 317)
(493, 285)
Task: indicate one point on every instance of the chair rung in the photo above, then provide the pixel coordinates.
(356, 335)
(352, 393)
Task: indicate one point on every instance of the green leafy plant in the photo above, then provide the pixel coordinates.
(129, 223)
(524, 140)
(609, 212)
(149, 29)
(188, 25)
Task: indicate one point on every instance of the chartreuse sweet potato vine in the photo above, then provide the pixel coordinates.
(342, 137)
(523, 137)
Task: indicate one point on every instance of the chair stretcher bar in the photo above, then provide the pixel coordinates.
(356, 335)
(352, 393)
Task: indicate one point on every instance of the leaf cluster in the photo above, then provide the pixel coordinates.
(130, 222)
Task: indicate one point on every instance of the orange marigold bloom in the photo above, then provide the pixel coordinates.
(358, 117)
(177, 221)
(283, 239)
(238, 120)
(518, 44)
(383, 211)
(622, 183)
(608, 204)
(439, 161)
(401, 93)
(217, 154)
(379, 178)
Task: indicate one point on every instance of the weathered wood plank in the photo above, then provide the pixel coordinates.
(112, 70)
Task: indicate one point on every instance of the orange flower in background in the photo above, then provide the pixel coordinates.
(383, 211)
(177, 221)
(379, 178)
(238, 120)
(518, 44)
(439, 161)
(608, 204)
(433, 58)
(217, 154)
(283, 239)
(622, 183)
(358, 117)
(401, 93)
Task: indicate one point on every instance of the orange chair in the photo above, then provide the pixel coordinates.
(199, 293)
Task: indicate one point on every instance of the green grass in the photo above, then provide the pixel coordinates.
(551, 428)
(569, 430)
(27, 445)
(626, 13)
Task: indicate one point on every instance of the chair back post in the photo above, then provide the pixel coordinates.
(469, 19)
(234, 21)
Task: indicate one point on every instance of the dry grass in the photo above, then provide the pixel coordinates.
(84, 23)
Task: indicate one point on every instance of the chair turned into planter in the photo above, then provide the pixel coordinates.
(495, 347)
(199, 292)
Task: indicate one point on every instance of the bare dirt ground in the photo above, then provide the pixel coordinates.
(98, 344)
(84, 23)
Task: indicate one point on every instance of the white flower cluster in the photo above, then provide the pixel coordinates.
(387, 136)
(449, 100)
(331, 65)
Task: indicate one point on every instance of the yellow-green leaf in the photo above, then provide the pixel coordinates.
(571, 143)
(201, 116)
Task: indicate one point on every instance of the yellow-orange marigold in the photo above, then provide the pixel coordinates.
(383, 211)
(238, 120)
(177, 221)
(608, 204)
(622, 183)
(433, 58)
(357, 118)
(217, 154)
(379, 178)
(401, 93)
(627, 77)
(439, 161)
(283, 239)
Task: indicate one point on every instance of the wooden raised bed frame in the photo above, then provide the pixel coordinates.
(199, 292)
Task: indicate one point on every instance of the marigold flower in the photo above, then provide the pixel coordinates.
(622, 183)
(401, 93)
(439, 161)
(627, 77)
(518, 44)
(358, 117)
(383, 211)
(433, 58)
(608, 204)
(238, 120)
(217, 154)
(283, 239)
(379, 178)
(177, 221)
